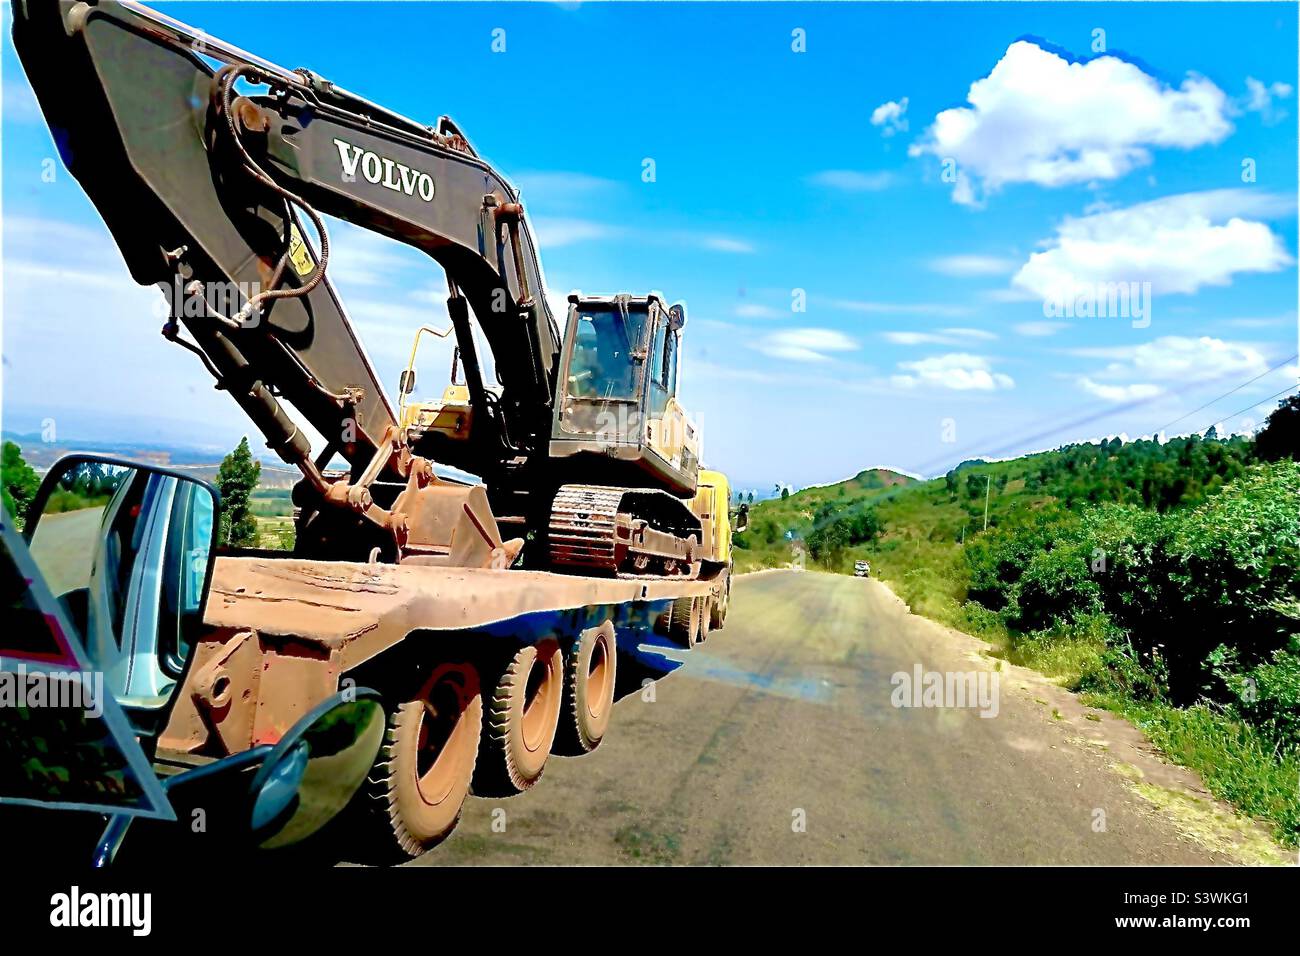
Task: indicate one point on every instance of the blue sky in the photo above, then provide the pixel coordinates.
(782, 178)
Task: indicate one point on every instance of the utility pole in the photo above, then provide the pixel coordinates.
(988, 483)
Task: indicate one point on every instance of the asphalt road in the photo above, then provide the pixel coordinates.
(777, 743)
(64, 546)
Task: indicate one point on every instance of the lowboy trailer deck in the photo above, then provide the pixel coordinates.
(442, 644)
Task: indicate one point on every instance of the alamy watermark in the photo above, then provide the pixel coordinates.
(201, 300)
(977, 690)
(78, 908)
(1101, 300)
(72, 690)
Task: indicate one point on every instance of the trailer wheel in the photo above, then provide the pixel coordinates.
(718, 611)
(422, 775)
(522, 717)
(685, 623)
(590, 672)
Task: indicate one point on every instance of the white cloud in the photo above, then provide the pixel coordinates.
(559, 303)
(806, 345)
(1007, 295)
(359, 257)
(891, 117)
(1259, 99)
(957, 371)
(753, 310)
(1038, 118)
(942, 337)
(553, 232)
(982, 334)
(1119, 393)
(853, 181)
(1177, 243)
(726, 244)
(1038, 329)
(916, 338)
(1179, 358)
(559, 188)
(939, 309)
(974, 265)
(1135, 372)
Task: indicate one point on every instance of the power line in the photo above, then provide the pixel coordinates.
(1289, 388)
(1226, 394)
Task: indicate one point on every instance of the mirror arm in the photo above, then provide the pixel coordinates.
(110, 841)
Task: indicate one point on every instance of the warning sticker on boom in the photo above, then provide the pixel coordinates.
(299, 253)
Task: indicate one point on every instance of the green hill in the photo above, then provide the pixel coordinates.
(937, 515)
(776, 523)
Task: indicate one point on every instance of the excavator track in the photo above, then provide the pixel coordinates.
(617, 531)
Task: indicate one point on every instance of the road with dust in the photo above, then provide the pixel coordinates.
(64, 545)
(777, 743)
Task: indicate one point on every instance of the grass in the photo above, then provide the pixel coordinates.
(272, 508)
(1235, 761)
(645, 846)
(1064, 661)
(271, 503)
(275, 533)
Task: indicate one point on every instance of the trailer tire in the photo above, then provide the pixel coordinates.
(685, 624)
(591, 669)
(718, 610)
(522, 717)
(417, 788)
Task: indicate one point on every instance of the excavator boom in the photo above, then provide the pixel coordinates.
(163, 144)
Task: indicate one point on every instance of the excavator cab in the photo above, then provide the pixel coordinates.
(618, 391)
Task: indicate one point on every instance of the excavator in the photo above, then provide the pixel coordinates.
(207, 178)
(489, 615)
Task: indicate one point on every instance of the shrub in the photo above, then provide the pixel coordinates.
(1266, 695)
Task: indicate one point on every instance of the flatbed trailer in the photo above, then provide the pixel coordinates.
(283, 634)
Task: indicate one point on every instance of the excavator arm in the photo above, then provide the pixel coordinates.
(207, 162)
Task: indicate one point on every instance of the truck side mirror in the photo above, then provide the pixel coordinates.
(127, 550)
(677, 317)
(406, 385)
(300, 784)
(310, 776)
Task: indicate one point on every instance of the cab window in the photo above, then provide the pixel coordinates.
(602, 365)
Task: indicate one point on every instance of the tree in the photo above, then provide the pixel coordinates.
(20, 481)
(836, 528)
(785, 493)
(236, 478)
(1280, 436)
